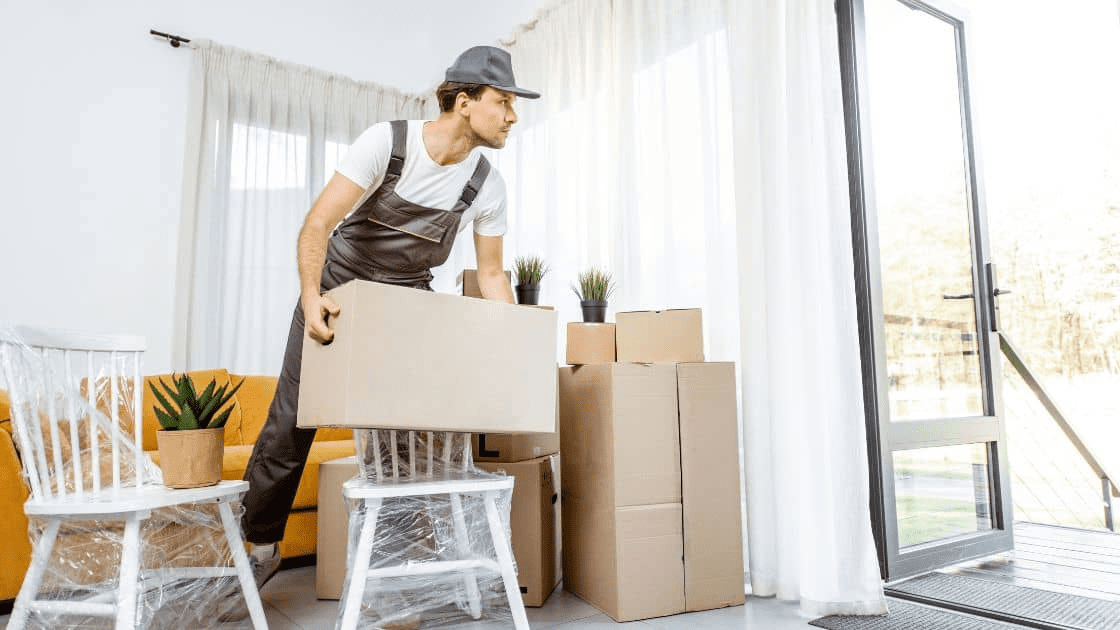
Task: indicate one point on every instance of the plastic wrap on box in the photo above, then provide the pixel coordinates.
(422, 529)
(84, 563)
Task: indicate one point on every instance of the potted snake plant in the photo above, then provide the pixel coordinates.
(529, 270)
(593, 288)
(192, 439)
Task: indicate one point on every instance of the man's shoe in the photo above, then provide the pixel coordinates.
(231, 603)
(266, 569)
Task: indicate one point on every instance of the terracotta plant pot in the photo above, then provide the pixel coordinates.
(191, 459)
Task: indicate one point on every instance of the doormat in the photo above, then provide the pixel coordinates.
(1012, 603)
(907, 616)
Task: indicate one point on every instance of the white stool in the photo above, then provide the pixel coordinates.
(425, 475)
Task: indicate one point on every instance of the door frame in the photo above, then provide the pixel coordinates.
(884, 437)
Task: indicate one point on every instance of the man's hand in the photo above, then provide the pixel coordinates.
(333, 203)
(316, 310)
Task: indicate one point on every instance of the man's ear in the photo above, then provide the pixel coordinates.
(462, 102)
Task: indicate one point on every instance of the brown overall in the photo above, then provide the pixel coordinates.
(387, 239)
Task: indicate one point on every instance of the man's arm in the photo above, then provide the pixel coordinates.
(333, 204)
(491, 277)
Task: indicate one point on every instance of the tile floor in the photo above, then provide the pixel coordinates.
(290, 604)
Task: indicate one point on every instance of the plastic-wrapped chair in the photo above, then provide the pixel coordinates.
(51, 381)
(419, 475)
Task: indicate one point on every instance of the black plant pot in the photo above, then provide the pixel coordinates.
(528, 293)
(594, 311)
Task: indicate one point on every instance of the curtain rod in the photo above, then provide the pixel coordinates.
(174, 40)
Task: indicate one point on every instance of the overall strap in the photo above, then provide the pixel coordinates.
(474, 184)
(399, 129)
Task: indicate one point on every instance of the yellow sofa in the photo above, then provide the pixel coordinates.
(250, 411)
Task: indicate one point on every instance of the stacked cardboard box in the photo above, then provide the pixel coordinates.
(470, 282)
(330, 548)
(651, 474)
(534, 524)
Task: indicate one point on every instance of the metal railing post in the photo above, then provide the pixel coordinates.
(1106, 492)
(1108, 488)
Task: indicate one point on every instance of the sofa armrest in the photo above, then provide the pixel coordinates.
(15, 553)
(5, 412)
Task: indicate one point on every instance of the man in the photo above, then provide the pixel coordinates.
(395, 206)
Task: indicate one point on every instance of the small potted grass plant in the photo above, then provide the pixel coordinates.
(529, 270)
(593, 288)
(192, 439)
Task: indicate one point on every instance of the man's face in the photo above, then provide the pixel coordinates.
(491, 117)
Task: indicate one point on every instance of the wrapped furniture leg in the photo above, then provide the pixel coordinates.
(429, 536)
(112, 546)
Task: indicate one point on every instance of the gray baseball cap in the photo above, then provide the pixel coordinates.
(487, 65)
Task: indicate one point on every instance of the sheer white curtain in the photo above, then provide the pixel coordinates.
(263, 137)
(806, 466)
(624, 162)
(696, 150)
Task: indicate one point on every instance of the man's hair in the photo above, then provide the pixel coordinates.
(448, 91)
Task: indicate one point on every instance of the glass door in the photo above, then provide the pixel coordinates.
(926, 288)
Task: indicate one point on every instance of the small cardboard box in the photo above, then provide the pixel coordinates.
(590, 344)
(470, 282)
(670, 336)
(506, 447)
(533, 525)
(403, 358)
(651, 487)
(330, 549)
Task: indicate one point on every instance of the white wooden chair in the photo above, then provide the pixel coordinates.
(423, 473)
(56, 427)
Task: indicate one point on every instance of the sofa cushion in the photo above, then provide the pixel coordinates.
(334, 435)
(200, 378)
(256, 397)
(15, 553)
(5, 411)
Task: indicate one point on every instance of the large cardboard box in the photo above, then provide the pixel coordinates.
(533, 525)
(623, 546)
(589, 344)
(408, 359)
(507, 447)
(713, 530)
(670, 336)
(651, 487)
(470, 282)
(330, 548)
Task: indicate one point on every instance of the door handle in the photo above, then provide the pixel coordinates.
(956, 296)
(993, 303)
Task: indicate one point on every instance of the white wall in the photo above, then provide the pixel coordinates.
(93, 111)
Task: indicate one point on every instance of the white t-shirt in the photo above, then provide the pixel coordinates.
(423, 181)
